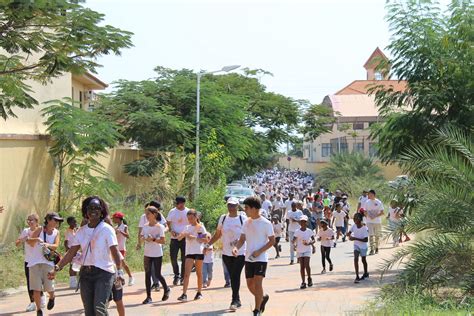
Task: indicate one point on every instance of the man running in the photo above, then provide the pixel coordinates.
(177, 220)
(373, 217)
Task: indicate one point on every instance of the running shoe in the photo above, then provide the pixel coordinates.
(235, 305)
(31, 307)
(324, 271)
(147, 300)
(183, 298)
(331, 267)
(50, 304)
(264, 302)
(198, 296)
(357, 280)
(303, 286)
(166, 295)
(365, 276)
(43, 301)
(256, 313)
(131, 281)
(175, 281)
(310, 282)
(227, 285)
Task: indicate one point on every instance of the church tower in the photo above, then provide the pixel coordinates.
(373, 62)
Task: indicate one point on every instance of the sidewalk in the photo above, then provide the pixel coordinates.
(332, 294)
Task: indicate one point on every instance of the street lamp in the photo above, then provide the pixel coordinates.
(198, 122)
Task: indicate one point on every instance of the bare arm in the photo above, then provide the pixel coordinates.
(216, 237)
(268, 245)
(239, 245)
(116, 256)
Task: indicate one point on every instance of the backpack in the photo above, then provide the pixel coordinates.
(240, 217)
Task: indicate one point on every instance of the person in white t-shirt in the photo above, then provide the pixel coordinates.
(287, 209)
(208, 265)
(326, 237)
(266, 205)
(44, 240)
(278, 208)
(69, 235)
(304, 239)
(259, 236)
(293, 217)
(338, 218)
(196, 236)
(229, 228)
(177, 221)
(101, 259)
(32, 221)
(278, 230)
(373, 217)
(395, 214)
(121, 230)
(360, 235)
(153, 234)
(362, 199)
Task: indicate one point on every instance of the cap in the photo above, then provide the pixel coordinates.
(55, 216)
(118, 215)
(232, 201)
(323, 221)
(304, 218)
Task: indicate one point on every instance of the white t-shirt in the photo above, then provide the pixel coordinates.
(193, 246)
(101, 238)
(121, 239)
(373, 207)
(27, 232)
(143, 221)
(296, 216)
(326, 237)
(152, 248)
(303, 236)
(339, 218)
(278, 229)
(263, 212)
(257, 231)
(395, 213)
(36, 255)
(362, 233)
(231, 231)
(278, 204)
(288, 205)
(362, 200)
(178, 219)
(209, 256)
(267, 205)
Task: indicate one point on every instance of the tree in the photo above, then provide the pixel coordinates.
(77, 139)
(41, 40)
(317, 120)
(432, 51)
(442, 173)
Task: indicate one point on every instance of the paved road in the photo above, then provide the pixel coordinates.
(333, 293)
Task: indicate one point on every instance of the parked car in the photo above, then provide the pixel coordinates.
(239, 193)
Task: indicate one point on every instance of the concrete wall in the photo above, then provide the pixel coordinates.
(27, 180)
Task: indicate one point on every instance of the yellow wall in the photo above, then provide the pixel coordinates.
(27, 180)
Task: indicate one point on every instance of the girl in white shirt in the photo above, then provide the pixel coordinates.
(278, 229)
(326, 237)
(196, 236)
(304, 239)
(153, 234)
(32, 221)
(122, 235)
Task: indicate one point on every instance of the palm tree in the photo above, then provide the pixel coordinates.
(443, 176)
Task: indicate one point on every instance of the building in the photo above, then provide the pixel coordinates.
(355, 111)
(27, 171)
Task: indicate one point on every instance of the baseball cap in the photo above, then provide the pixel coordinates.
(118, 215)
(233, 201)
(55, 216)
(324, 221)
(304, 218)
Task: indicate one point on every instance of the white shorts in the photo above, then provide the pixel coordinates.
(303, 254)
(39, 278)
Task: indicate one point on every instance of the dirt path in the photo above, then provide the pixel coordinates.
(333, 294)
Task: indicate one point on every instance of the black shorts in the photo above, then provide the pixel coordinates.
(195, 257)
(255, 268)
(116, 295)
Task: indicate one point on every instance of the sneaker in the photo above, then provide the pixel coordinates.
(365, 275)
(50, 304)
(175, 281)
(376, 250)
(256, 312)
(357, 280)
(292, 262)
(227, 285)
(166, 295)
(277, 256)
(147, 300)
(344, 239)
(204, 286)
(43, 301)
(235, 305)
(331, 267)
(303, 286)
(31, 307)
(181, 281)
(407, 239)
(131, 281)
(183, 298)
(371, 253)
(39, 312)
(310, 282)
(324, 271)
(264, 302)
(198, 296)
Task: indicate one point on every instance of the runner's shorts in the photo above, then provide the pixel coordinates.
(255, 268)
(360, 250)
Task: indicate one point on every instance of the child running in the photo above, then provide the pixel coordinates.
(153, 234)
(359, 233)
(278, 229)
(304, 238)
(208, 265)
(338, 219)
(122, 235)
(326, 237)
(196, 236)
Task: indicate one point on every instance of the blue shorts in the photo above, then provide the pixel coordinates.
(303, 254)
(361, 251)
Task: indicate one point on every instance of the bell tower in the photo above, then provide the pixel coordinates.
(373, 62)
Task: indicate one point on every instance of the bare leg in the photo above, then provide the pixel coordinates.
(258, 289)
(307, 266)
(120, 308)
(198, 264)
(364, 262)
(356, 263)
(127, 269)
(37, 298)
(302, 266)
(187, 273)
(251, 285)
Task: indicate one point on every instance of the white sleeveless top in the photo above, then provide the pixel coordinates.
(36, 256)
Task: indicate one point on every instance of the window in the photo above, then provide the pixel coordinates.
(80, 99)
(344, 148)
(372, 150)
(326, 150)
(359, 125)
(358, 147)
(378, 75)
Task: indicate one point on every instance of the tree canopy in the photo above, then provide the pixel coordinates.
(40, 40)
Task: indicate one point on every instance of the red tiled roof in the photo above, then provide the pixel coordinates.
(362, 86)
(377, 53)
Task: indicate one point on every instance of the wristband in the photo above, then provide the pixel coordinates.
(120, 273)
(57, 268)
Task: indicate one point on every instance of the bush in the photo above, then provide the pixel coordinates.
(211, 204)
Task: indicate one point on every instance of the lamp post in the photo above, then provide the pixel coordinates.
(198, 118)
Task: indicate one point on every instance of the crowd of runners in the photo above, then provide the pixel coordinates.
(286, 206)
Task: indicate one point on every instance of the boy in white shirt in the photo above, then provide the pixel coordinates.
(360, 235)
(304, 239)
(373, 217)
(338, 219)
(258, 234)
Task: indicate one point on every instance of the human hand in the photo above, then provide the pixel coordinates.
(174, 234)
(235, 252)
(51, 274)
(351, 238)
(256, 253)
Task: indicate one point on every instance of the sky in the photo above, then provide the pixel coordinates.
(312, 48)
